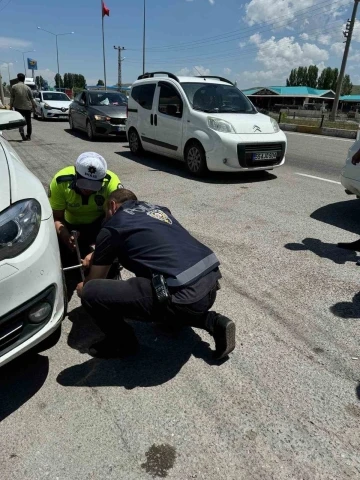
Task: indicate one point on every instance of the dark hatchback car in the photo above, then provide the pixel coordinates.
(99, 113)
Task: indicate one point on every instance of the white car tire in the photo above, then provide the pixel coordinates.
(43, 118)
(71, 123)
(135, 142)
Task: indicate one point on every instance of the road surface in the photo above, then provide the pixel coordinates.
(284, 406)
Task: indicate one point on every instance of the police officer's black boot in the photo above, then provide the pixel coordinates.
(223, 331)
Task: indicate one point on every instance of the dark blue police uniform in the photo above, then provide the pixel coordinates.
(148, 240)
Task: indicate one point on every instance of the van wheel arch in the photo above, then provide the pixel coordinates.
(195, 157)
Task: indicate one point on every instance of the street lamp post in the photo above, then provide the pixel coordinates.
(23, 54)
(56, 35)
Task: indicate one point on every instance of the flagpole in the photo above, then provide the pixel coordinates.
(103, 41)
(144, 36)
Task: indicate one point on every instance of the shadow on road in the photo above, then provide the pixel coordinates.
(20, 380)
(160, 357)
(324, 250)
(158, 163)
(83, 136)
(345, 215)
(358, 391)
(347, 309)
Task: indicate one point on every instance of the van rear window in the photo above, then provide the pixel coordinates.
(144, 95)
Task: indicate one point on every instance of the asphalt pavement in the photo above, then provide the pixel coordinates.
(286, 405)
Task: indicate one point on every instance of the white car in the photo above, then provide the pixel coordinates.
(52, 105)
(350, 174)
(205, 121)
(32, 300)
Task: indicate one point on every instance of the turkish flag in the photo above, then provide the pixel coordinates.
(105, 10)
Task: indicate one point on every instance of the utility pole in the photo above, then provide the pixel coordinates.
(348, 35)
(119, 49)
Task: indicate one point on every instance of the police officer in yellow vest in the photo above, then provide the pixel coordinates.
(77, 196)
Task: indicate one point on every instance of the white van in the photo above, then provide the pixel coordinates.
(205, 121)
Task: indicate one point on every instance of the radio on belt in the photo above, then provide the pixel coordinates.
(160, 287)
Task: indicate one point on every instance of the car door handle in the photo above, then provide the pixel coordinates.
(155, 120)
(152, 119)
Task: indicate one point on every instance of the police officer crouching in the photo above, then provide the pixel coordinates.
(77, 196)
(176, 278)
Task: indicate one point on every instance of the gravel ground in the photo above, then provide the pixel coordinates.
(284, 406)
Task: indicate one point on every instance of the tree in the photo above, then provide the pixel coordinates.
(292, 80)
(100, 83)
(58, 81)
(326, 79)
(41, 83)
(347, 86)
(313, 73)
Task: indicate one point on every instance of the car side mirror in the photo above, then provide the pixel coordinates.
(81, 102)
(10, 120)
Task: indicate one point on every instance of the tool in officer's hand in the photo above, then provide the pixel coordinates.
(161, 289)
(75, 234)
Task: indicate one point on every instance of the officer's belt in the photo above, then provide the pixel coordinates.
(198, 270)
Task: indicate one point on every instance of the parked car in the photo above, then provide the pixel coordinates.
(204, 121)
(99, 113)
(350, 174)
(52, 105)
(32, 300)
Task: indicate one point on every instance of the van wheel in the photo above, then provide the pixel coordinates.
(71, 123)
(195, 159)
(135, 142)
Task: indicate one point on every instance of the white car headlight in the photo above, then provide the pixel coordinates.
(101, 118)
(275, 125)
(19, 226)
(47, 106)
(220, 125)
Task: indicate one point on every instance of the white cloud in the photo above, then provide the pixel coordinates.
(199, 69)
(356, 32)
(259, 78)
(242, 44)
(267, 11)
(212, 2)
(227, 71)
(6, 42)
(256, 38)
(195, 71)
(337, 48)
(355, 57)
(284, 54)
(324, 39)
(184, 72)
(304, 36)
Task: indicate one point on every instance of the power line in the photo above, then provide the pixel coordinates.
(3, 8)
(235, 34)
(237, 53)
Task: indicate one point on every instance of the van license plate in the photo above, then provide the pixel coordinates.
(265, 156)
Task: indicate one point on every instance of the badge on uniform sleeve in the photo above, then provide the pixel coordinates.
(120, 185)
(160, 215)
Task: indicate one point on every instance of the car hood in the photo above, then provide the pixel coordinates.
(4, 181)
(57, 104)
(113, 111)
(247, 123)
(18, 183)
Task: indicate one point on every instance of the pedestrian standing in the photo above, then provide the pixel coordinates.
(23, 101)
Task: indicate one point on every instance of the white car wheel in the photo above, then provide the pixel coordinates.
(195, 159)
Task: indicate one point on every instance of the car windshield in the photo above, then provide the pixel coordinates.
(107, 98)
(58, 97)
(217, 98)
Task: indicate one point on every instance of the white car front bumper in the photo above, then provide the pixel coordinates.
(234, 152)
(55, 113)
(32, 278)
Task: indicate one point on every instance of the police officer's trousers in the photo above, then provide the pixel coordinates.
(110, 302)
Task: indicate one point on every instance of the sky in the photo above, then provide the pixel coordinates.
(252, 42)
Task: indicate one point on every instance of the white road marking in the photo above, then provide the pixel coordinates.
(322, 137)
(317, 178)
